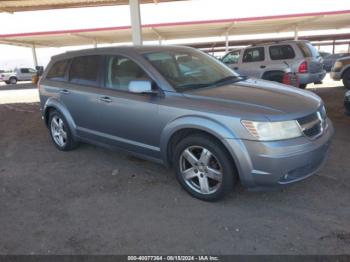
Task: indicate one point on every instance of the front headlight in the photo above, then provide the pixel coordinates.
(337, 66)
(270, 131)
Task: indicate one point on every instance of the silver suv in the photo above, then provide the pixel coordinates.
(183, 108)
(271, 61)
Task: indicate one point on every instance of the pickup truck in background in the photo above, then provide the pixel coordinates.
(18, 74)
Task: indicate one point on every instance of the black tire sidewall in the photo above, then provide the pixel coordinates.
(229, 174)
(346, 79)
(13, 78)
(70, 144)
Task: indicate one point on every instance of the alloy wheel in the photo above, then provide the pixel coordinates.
(201, 170)
(59, 134)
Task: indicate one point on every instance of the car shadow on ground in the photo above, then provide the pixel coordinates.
(18, 86)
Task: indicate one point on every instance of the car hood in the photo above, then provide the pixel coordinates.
(257, 98)
(344, 59)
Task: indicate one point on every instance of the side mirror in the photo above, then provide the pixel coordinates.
(140, 86)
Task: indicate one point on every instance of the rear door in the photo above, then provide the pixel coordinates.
(80, 95)
(253, 62)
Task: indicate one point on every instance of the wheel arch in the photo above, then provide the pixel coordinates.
(189, 125)
(53, 104)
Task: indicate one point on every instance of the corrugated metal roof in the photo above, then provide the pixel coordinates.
(239, 26)
(34, 5)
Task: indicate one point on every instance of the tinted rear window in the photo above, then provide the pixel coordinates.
(84, 70)
(281, 52)
(308, 49)
(58, 71)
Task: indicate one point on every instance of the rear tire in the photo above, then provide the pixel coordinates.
(274, 76)
(203, 167)
(346, 79)
(60, 132)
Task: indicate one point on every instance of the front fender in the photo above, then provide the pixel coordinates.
(201, 123)
(57, 105)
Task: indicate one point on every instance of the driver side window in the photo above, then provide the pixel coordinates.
(232, 58)
(122, 70)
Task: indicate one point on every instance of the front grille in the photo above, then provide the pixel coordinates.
(313, 131)
(313, 125)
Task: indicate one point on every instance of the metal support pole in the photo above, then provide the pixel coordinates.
(159, 40)
(226, 42)
(296, 36)
(35, 59)
(349, 48)
(95, 43)
(333, 50)
(135, 22)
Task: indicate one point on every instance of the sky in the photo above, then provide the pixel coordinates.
(94, 17)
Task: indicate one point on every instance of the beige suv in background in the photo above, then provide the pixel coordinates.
(341, 71)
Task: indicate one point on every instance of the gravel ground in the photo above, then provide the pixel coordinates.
(94, 201)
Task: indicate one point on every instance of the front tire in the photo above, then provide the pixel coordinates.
(60, 132)
(13, 80)
(302, 86)
(203, 167)
(346, 79)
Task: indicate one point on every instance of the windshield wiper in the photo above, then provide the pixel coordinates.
(225, 80)
(193, 86)
(229, 79)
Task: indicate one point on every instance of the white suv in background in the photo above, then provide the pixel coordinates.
(18, 74)
(270, 61)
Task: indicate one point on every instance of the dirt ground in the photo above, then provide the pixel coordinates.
(94, 201)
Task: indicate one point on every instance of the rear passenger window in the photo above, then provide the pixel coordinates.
(281, 52)
(58, 71)
(122, 70)
(254, 55)
(84, 70)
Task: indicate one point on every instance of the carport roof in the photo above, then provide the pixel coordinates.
(178, 30)
(34, 5)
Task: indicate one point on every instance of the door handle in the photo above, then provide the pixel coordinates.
(262, 66)
(64, 91)
(105, 99)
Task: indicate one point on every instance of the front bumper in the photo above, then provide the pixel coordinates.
(269, 164)
(335, 75)
(308, 78)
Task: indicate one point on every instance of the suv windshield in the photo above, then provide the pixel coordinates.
(186, 70)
